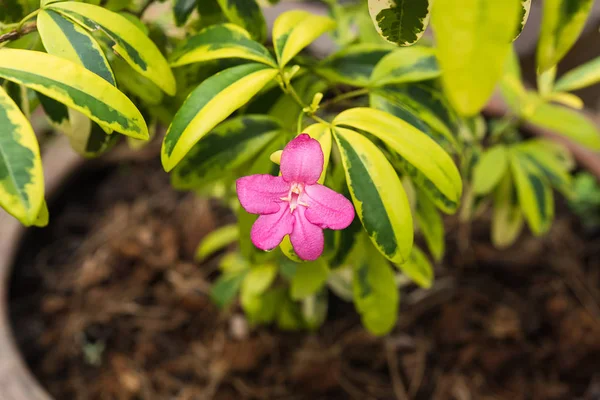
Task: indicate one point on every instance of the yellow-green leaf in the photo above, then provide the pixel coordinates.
(507, 217)
(534, 193)
(562, 22)
(209, 104)
(411, 64)
(220, 41)
(398, 21)
(129, 42)
(525, 10)
(566, 122)
(377, 194)
(225, 148)
(74, 86)
(43, 217)
(473, 38)
(21, 175)
(414, 146)
(583, 76)
(64, 38)
(556, 172)
(294, 30)
(258, 279)
(418, 268)
(431, 225)
(309, 278)
(247, 14)
(490, 169)
(352, 65)
(216, 240)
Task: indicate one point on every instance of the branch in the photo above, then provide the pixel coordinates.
(17, 33)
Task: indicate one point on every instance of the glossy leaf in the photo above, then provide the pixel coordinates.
(209, 104)
(377, 194)
(223, 149)
(398, 21)
(217, 240)
(473, 39)
(74, 86)
(353, 65)
(552, 166)
(182, 9)
(583, 76)
(431, 225)
(566, 122)
(64, 38)
(310, 277)
(534, 193)
(562, 23)
(376, 296)
(296, 29)
(490, 169)
(411, 64)
(507, 217)
(128, 41)
(418, 268)
(218, 42)
(21, 175)
(418, 149)
(247, 14)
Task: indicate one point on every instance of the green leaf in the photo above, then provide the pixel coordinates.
(258, 279)
(135, 84)
(507, 217)
(217, 240)
(261, 308)
(377, 194)
(583, 76)
(473, 39)
(562, 23)
(247, 14)
(398, 21)
(182, 10)
(376, 296)
(218, 42)
(296, 29)
(525, 10)
(423, 107)
(209, 104)
(74, 86)
(412, 145)
(21, 175)
(310, 277)
(534, 193)
(353, 65)
(11, 11)
(411, 64)
(511, 86)
(314, 309)
(490, 169)
(86, 137)
(226, 288)
(552, 166)
(418, 268)
(66, 39)
(569, 123)
(223, 149)
(128, 41)
(431, 226)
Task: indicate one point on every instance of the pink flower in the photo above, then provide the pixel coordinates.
(294, 203)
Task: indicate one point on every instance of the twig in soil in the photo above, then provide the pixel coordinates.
(392, 360)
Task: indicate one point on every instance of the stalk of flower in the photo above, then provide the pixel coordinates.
(294, 203)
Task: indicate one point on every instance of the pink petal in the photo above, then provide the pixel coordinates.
(307, 239)
(269, 230)
(261, 194)
(302, 160)
(327, 208)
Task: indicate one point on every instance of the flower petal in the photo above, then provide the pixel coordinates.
(269, 230)
(307, 239)
(327, 208)
(302, 160)
(261, 194)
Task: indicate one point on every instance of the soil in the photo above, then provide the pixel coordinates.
(107, 303)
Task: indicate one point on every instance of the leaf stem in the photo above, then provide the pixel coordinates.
(27, 18)
(289, 89)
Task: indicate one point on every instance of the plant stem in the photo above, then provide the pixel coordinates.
(345, 96)
(17, 33)
(292, 92)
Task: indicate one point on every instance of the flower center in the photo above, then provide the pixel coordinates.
(294, 196)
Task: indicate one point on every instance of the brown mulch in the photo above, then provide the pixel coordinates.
(108, 304)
